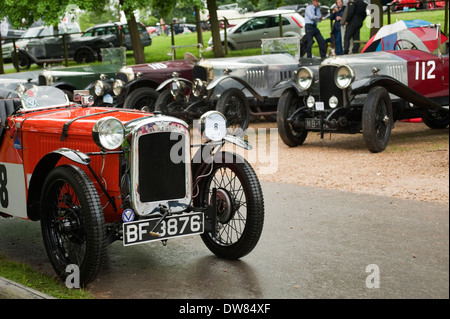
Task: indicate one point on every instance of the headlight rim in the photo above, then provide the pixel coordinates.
(180, 88)
(351, 77)
(310, 101)
(311, 78)
(333, 102)
(98, 132)
(102, 87)
(198, 87)
(204, 125)
(116, 87)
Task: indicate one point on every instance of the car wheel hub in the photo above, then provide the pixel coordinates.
(225, 210)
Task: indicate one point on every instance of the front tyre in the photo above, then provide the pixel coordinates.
(233, 104)
(240, 206)
(288, 104)
(72, 223)
(377, 119)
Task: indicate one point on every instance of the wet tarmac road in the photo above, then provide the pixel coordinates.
(316, 243)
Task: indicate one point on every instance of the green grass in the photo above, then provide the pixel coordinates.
(27, 276)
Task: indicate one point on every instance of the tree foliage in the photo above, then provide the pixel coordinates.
(24, 12)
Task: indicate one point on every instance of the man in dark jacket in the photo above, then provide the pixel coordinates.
(354, 21)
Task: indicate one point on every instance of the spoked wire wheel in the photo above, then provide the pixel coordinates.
(240, 206)
(72, 223)
(233, 104)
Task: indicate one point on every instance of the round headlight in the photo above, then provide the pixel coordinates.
(118, 86)
(343, 77)
(305, 78)
(99, 88)
(213, 126)
(198, 87)
(108, 133)
(310, 101)
(333, 102)
(177, 88)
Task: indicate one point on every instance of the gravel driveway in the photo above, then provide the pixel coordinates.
(415, 164)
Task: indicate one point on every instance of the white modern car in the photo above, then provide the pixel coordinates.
(262, 25)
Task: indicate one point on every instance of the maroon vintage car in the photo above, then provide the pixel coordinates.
(134, 87)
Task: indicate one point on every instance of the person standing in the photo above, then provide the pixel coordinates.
(312, 17)
(354, 21)
(336, 30)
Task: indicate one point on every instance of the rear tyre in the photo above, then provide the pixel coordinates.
(377, 119)
(142, 99)
(240, 206)
(436, 120)
(24, 61)
(72, 223)
(84, 55)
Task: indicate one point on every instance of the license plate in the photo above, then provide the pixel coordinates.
(312, 124)
(174, 226)
(320, 106)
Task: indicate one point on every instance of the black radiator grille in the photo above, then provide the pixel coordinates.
(328, 87)
(42, 80)
(122, 76)
(199, 72)
(159, 177)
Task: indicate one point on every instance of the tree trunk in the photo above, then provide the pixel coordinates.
(215, 28)
(138, 49)
(198, 25)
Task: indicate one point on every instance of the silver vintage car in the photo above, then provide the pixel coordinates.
(237, 87)
(366, 93)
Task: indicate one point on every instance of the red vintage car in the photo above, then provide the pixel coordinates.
(135, 86)
(407, 4)
(94, 175)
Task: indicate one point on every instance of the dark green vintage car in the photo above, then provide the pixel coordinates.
(82, 77)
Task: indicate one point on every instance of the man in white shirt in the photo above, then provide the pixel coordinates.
(312, 17)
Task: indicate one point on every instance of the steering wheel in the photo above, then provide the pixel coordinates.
(400, 47)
